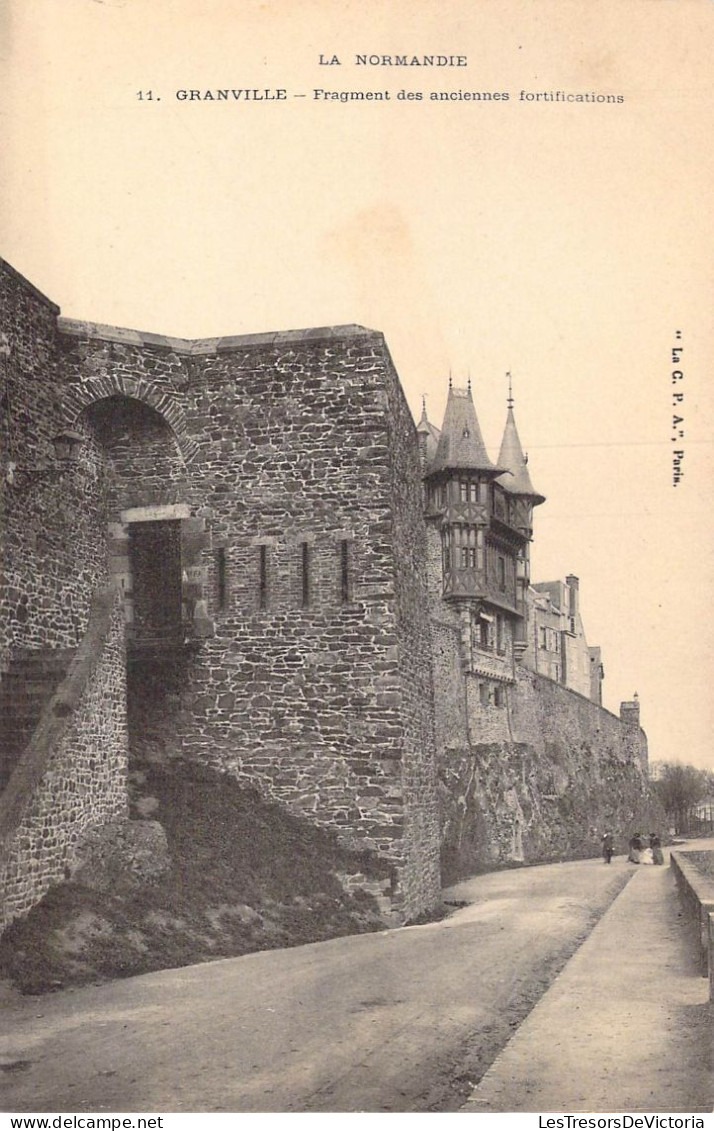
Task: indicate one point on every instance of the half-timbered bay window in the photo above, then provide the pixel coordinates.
(467, 537)
(468, 490)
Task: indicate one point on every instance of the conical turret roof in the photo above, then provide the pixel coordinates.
(426, 428)
(517, 480)
(461, 445)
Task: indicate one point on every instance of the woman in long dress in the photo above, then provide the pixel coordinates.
(635, 849)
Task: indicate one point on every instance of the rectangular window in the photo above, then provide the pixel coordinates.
(484, 694)
(305, 574)
(263, 576)
(501, 573)
(446, 548)
(484, 633)
(345, 578)
(499, 696)
(473, 492)
(221, 578)
(543, 638)
(499, 634)
(463, 491)
(480, 556)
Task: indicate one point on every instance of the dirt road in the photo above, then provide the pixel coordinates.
(403, 1020)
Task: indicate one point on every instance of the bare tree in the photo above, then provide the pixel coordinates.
(680, 788)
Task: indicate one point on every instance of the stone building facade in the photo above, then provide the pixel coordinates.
(556, 643)
(318, 599)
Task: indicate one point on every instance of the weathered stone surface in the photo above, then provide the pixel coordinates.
(72, 775)
(538, 779)
(121, 856)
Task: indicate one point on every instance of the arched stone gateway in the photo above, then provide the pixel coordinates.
(78, 397)
(155, 544)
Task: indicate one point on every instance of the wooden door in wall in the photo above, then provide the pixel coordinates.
(155, 565)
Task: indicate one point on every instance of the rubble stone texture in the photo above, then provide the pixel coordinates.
(258, 501)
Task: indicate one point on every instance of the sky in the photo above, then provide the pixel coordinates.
(568, 241)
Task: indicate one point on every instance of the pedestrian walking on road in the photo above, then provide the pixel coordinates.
(608, 847)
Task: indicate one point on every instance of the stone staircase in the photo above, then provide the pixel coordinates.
(25, 688)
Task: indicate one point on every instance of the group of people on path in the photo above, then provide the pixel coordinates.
(640, 853)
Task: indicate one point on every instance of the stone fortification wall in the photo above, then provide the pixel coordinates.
(311, 617)
(421, 876)
(53, 544)
(299, 470)
(72, 776)
(541, 779)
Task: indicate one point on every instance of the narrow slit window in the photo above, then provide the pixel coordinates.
(305, 574)
(263, 577)
(345, 578)
(222, 578)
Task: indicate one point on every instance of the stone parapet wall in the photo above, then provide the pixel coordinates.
(72, 775)
(542, 707)
(696, 890)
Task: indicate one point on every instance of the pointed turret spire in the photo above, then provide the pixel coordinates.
(428, 433)
(517, 479)
(461, 445)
